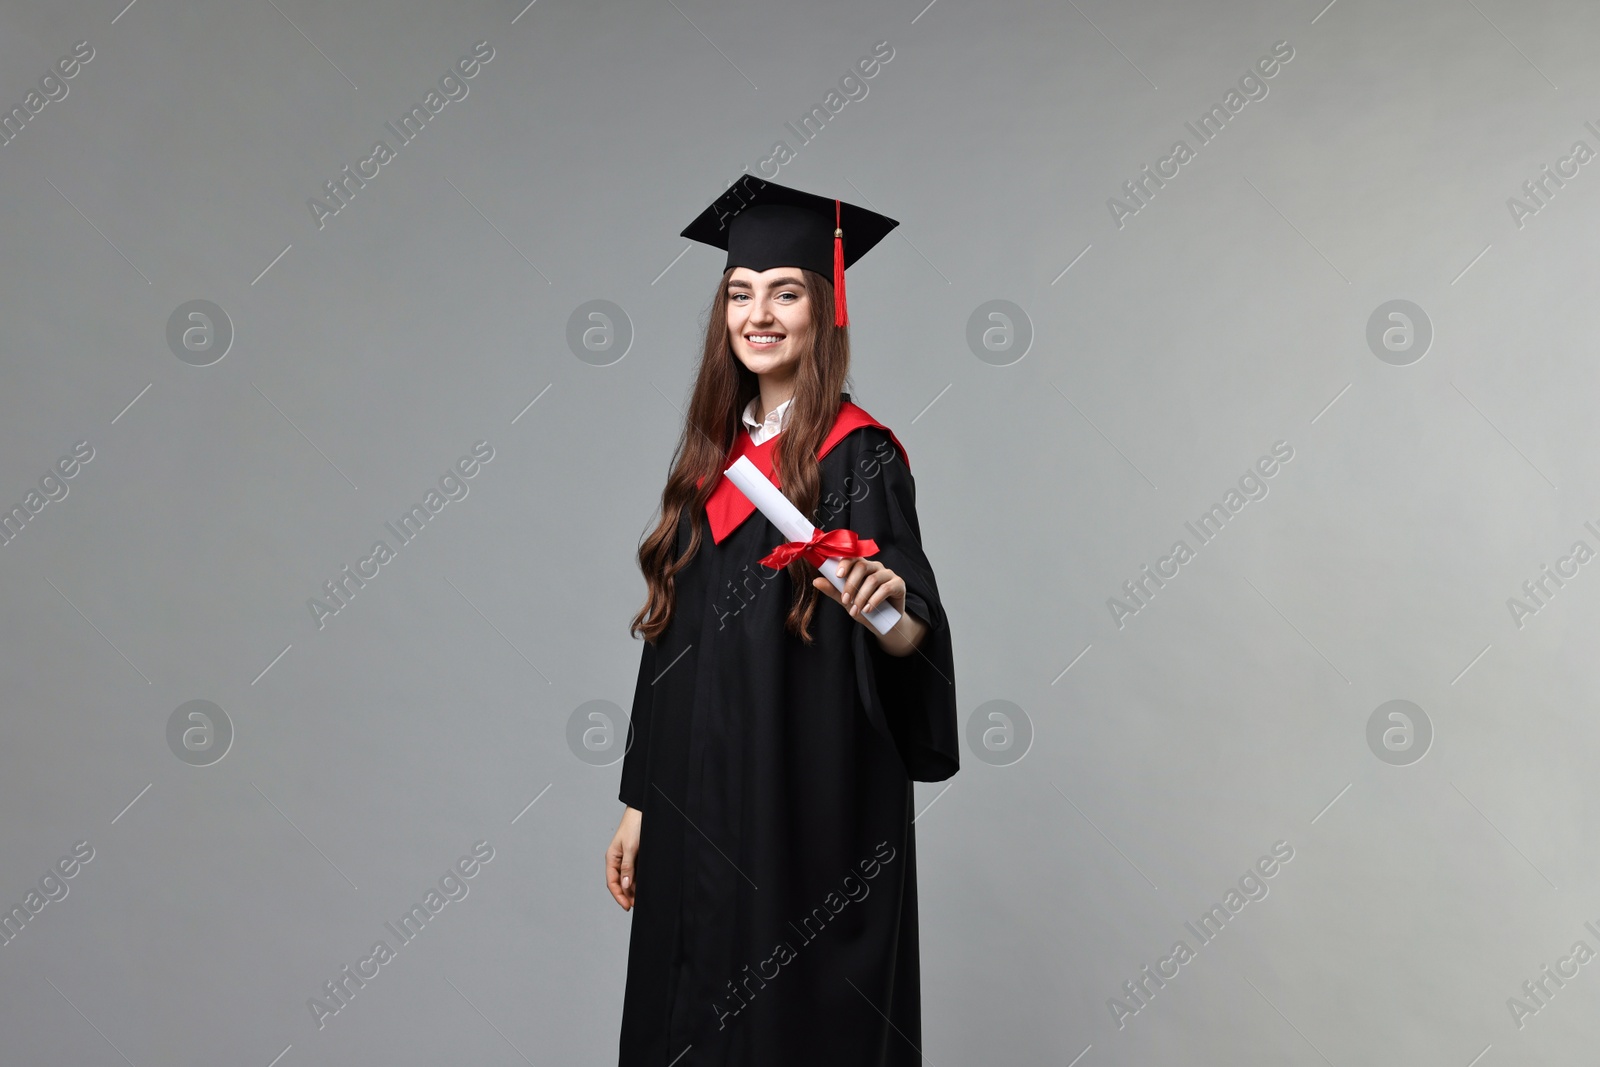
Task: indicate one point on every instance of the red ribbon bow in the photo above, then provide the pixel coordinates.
(830, 544)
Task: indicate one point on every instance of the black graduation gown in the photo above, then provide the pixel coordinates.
(775, 914)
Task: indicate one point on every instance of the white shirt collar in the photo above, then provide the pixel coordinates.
(771, 426)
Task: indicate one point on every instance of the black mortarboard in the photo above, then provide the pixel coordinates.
(763, 225)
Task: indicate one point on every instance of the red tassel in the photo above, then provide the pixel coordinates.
(841, 313)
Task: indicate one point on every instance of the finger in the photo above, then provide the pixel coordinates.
(630, 860)
(852, 599)
(612, 882)
(886, 590)
(626, 887)
(869, 588)
(858, 574)
(847, 575)
(845, 572)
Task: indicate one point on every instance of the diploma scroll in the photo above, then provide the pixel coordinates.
(782, 513)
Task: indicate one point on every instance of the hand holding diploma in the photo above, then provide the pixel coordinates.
(869, 586)
(872, 593)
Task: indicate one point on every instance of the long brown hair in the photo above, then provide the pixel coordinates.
(722, 388)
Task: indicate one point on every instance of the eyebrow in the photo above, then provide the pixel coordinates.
(775, 282)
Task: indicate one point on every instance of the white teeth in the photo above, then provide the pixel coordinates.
(765, 338)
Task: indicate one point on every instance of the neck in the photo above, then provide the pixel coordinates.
(773, 393)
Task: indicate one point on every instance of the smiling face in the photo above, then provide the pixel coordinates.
(769, 320)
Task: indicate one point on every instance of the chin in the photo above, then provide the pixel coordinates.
(763, 364)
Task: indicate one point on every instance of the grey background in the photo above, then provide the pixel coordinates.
(1230, 313)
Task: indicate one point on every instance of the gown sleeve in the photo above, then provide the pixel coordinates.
(636, 761)
(910, 700)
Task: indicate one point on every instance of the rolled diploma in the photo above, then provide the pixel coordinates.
(782, 513)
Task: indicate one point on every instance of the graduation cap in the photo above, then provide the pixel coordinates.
(763, 225)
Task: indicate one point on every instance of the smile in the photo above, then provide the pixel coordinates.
(763, 340)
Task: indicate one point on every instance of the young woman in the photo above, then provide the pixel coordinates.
(766, 851)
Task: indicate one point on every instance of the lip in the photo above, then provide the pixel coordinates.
(761, 346)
